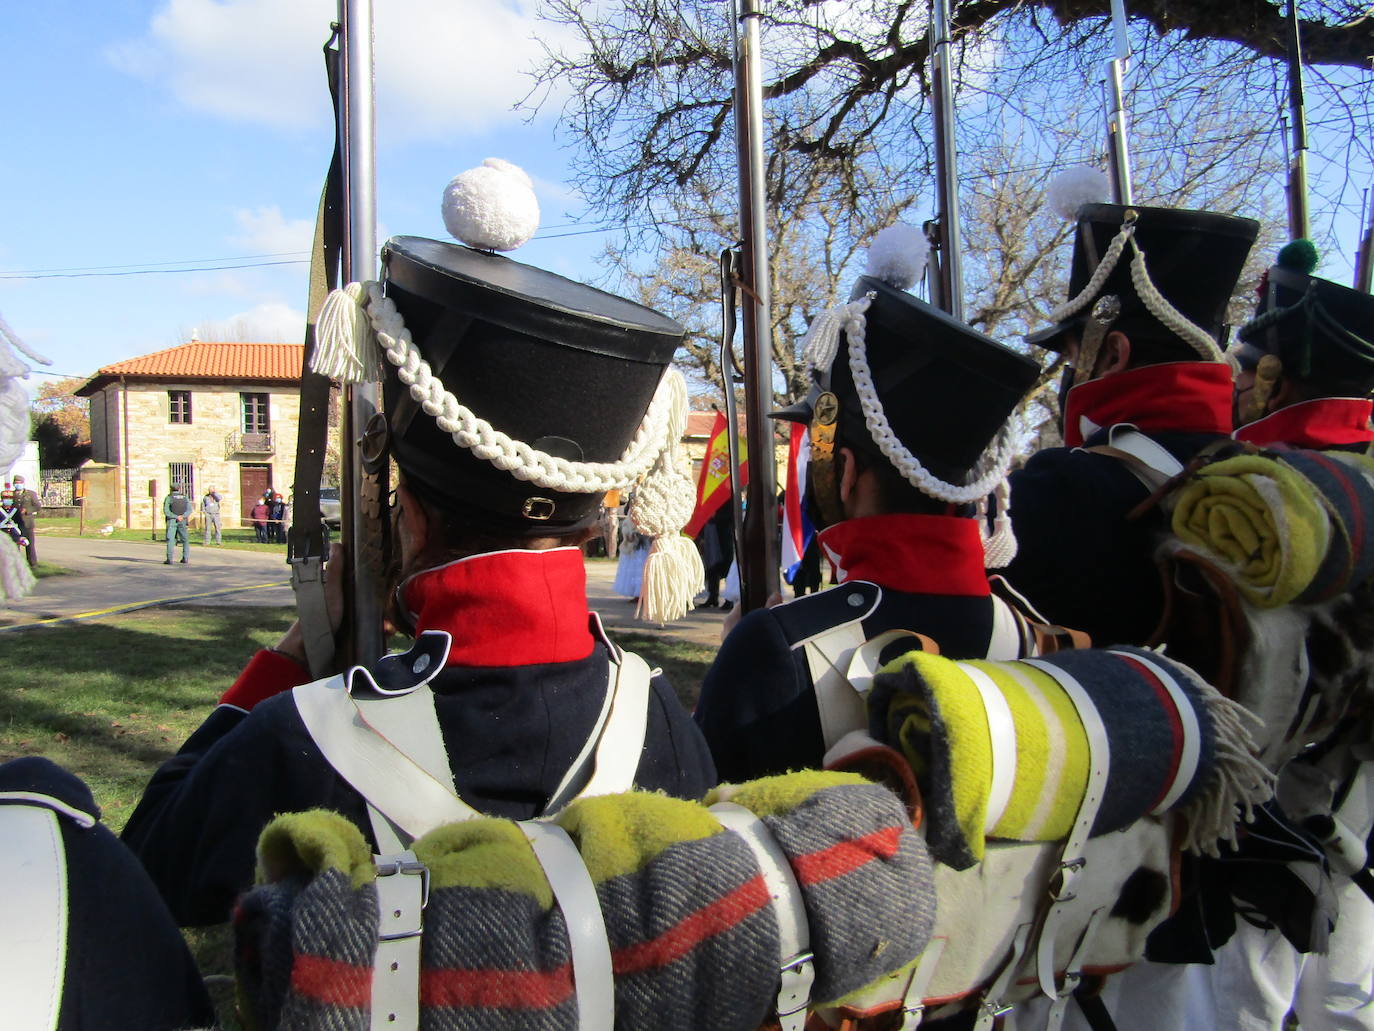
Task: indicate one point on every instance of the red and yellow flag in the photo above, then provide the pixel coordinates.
(713, 485)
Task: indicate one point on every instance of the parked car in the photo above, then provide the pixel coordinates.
(331, 508)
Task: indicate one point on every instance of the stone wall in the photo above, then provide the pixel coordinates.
(154, 443)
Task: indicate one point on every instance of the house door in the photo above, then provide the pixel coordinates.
(254, 478)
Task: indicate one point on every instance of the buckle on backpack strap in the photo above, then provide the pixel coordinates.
(401, 904)
(794, 991)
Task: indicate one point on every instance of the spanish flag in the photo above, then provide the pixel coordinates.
(713, 485)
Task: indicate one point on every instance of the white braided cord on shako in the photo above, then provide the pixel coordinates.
(992, 466)
(1155, 303)
(468, 430)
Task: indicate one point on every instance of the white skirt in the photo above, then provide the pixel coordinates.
(629, 571)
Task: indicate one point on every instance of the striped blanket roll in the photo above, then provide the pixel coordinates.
(1287, 525)
(693, 936)
(1174, 743)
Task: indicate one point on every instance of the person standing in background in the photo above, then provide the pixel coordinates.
(176, 510)
(258, 514)
(209, 508)
(28, 504)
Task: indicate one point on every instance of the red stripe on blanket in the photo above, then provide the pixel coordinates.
(725, 913)
(1166, 706)
(496, 989)
(846, 856)
(331, 981)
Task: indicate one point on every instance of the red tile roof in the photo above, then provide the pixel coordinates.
(205, 360)
(699, 424)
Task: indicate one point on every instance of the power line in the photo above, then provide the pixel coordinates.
(143, 264)
(154, 271)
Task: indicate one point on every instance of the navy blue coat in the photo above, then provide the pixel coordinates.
(127, 965)
(1080, 561)
(511, 733)
(758, 706)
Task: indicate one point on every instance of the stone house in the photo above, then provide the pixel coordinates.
(201, 415)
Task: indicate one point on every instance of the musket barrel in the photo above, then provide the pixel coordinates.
(946, 163)
(358, 132)
(1299, 216)
(758, 564)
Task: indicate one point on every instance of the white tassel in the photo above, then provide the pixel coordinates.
(16, 579)
(663, 502)
(673, 576)
(345, 347)
(999, 547)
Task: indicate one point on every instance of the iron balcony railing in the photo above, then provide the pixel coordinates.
(239, 443)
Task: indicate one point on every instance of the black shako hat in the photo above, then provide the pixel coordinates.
(563, 367)
(1322, 331)
(1193, 258)
(945, 388)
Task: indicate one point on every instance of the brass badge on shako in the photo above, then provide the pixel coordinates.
(825, 414)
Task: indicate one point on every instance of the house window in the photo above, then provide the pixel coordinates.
(255, 417)
(179, 406)
(182, 477)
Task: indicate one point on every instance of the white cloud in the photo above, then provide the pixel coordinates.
(443, 66)
(265, 231)
(270, 323)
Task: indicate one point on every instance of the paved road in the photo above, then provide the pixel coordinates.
(127, 574)
(118, 574)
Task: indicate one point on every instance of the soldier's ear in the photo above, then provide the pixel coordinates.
(849, 474)
(1284, 394)
(1115, 355)
(413, 525)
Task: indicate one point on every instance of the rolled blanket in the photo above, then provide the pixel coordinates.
(692, 932)
(1174, 743)
(1261, 520)
(1289, 525)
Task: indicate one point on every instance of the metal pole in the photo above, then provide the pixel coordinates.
(1118, 151)
(759, 563)
(1364, 262)
(358, 133)
(1299, 218)
(946, 163)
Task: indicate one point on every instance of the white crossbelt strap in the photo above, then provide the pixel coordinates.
(913, 1000)
(1192, 733)
(794, 934)
(1002, 731)
(1071, 864)
(827, 660)
(621, 741)
(1148, 461)
(593, 978)
(1010, 638)
(413, 799)
(33, 914)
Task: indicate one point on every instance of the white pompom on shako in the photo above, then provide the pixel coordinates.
(898, 255)
(491, 207)
(1073, 187)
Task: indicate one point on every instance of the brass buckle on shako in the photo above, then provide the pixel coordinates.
(825, 415)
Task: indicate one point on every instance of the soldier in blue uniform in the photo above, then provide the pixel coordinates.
(897, 512)
(490, 578)
(92, 944)
(1148, 390)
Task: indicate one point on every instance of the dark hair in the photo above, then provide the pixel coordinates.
(895, 492)
(1151, 342)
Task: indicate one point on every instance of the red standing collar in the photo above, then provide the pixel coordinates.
(920, 554)
(506, 608)
(1188, 397)
(1322, 423)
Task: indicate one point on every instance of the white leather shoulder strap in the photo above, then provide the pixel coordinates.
(33, 913)
(386, 776)
(1148, 461)
(827, 660)
(622, 738)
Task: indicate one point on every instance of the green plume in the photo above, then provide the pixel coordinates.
(1299, 256)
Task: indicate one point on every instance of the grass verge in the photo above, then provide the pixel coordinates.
(46, 569)
(682, 662)
(236, 539)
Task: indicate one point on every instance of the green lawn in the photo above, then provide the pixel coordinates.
(112, 698)
(238, 539)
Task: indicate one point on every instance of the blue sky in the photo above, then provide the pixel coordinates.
(199, 131)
